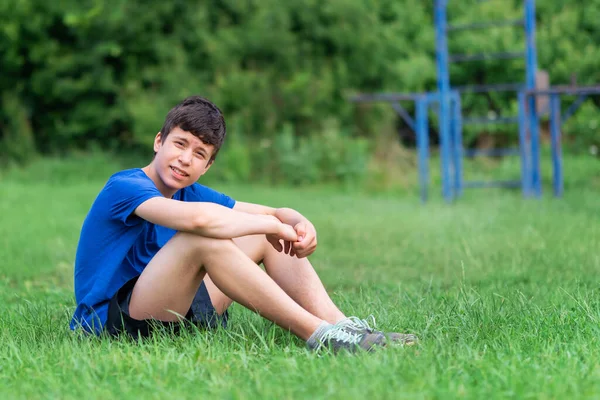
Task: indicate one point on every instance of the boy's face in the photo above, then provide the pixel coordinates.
(182, 159)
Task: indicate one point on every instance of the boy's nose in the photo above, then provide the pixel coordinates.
(185, 157)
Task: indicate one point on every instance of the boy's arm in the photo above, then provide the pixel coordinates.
(307, 234)
(211, 220)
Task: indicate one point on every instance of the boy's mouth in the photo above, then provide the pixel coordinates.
(178, 171)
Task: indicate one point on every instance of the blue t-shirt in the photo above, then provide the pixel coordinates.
(116, 245)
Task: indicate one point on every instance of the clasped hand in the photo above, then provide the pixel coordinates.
(299, 240)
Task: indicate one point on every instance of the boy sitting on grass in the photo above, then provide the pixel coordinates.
(157, 249)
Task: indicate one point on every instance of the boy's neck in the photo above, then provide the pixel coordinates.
(150, 171)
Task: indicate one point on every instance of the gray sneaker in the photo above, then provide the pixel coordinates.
(339, 338)
(357, 325)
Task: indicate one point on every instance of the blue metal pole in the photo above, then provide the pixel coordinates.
(524, 146)
(557, 173)
(422, 145)
(443, 89)
(457, 143)
(531, 67)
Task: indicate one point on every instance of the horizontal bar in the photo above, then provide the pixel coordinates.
(481, 57)
(581, 90)
(502, 120)
(494, 87)
(483, 25)
(491, 152)
(482, 184)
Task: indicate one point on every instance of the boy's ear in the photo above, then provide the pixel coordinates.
(157, 142)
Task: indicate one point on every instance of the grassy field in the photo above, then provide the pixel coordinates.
(503, 293)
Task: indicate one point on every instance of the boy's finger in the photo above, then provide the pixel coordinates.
(300, 229)
(299, 246)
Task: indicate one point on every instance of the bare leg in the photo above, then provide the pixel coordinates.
(296, 277)
(170, 281)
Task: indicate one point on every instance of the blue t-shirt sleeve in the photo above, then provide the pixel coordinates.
(124, 194)
(198, 192)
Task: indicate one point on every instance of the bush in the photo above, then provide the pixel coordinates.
(582, 129)
(106, 72)
(327, 157)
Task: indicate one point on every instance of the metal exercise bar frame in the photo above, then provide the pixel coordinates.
(422, 134)
(567, 89)
(555, 126)
(443, 86)
(451, 148)
(531, 69)
(528, 135)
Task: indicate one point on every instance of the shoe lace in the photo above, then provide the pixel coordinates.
(358, 325)
(340, 334)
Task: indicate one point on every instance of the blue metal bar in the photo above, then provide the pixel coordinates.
(405, 115)
(483, 25)
(557, 174)
(531, 69)
(458, 145)
(444, 92)
(581, 90)
(523, 147)
(497, 87)
(491, 152)
(422, 134)
(483, 184)
(455, 58)
(433, 97)
(487, 121)
(572, 108)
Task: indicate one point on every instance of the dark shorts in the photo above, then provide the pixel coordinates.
(201, 314)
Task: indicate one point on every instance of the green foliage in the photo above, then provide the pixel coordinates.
(326, 157)
(586, 122)
(17, 142)
(105, 72)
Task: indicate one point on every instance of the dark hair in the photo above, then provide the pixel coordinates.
(201, 118)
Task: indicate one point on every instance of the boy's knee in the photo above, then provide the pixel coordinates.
(255, 247)
(203, 245)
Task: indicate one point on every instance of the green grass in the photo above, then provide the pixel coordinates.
(504, 294)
